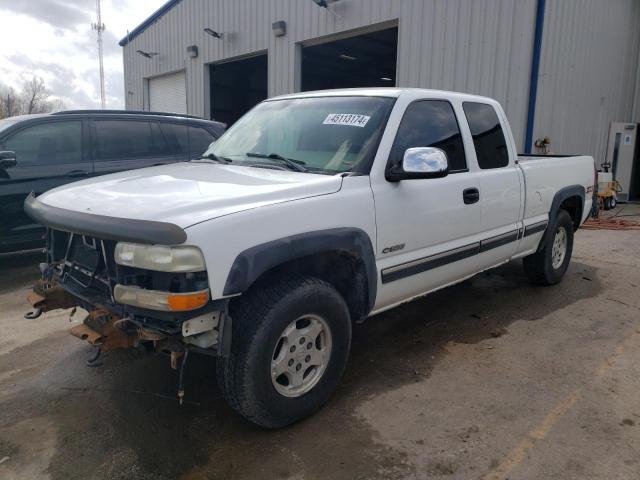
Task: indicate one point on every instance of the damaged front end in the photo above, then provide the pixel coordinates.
(130, 300)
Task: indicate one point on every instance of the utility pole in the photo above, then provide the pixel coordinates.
(99, 27)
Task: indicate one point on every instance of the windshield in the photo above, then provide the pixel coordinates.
(319, 135)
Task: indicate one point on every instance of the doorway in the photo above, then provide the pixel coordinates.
(366, 60)
(236, 86)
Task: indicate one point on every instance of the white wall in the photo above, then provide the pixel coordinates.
(588, 72)
(477, 46)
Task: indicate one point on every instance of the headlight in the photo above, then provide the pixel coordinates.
(159, 258)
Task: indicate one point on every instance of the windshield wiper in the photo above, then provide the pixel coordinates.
(215, 158)
(295, 165)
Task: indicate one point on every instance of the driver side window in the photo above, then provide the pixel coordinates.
(430, 123)
(47, 144)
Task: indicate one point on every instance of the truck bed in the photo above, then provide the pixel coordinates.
(545, 175)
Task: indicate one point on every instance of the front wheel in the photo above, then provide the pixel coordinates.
(548, 265)
(290, 344)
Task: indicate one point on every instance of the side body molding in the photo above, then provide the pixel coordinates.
(101, 226)
(254, 261)
(560, 196)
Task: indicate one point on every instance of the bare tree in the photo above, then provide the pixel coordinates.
(35, 96)
(56, 105)
(10, 103)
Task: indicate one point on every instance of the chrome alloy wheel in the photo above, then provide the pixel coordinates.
(301, 356)
(559, 249)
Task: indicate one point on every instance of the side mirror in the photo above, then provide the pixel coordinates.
(7, 159)
(420, 162)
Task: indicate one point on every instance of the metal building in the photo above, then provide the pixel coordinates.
(564, 69)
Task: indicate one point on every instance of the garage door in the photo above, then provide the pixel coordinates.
(168, 93)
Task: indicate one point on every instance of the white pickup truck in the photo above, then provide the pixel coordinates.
(313, 211)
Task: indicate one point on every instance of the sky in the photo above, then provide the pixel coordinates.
(53, 39)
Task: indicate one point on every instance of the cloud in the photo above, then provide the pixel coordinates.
(62, 81)
(54, 40)
(60, 14)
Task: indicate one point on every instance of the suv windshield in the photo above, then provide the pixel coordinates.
(321, 135)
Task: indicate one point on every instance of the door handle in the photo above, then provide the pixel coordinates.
(470, 195)
(77, 173)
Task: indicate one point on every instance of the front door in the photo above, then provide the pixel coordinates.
(48, 155)
(426, 228)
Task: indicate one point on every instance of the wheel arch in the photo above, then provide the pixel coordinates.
(570, 199)
(334, 255)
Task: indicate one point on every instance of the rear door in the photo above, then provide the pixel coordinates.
(124, 144)
(48, 154)
(500, 182)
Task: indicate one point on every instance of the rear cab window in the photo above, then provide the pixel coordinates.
(430, 123)
(488, 137)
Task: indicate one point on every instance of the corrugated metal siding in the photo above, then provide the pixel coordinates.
(588, 72)
(476, 46)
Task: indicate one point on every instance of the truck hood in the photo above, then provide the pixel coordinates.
(187, 193)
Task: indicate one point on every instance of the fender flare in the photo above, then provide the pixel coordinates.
(255, 261)
(560, 196)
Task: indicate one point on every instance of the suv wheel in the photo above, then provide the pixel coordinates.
(548, 265)
(289, 347)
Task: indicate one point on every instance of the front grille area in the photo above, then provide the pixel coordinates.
(83, 264)
(86, 268)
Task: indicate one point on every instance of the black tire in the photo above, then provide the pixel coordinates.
(607, 203)
(613, 202)
(259, 318)
(539, 266)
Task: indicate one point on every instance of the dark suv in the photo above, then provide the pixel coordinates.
(40, 152)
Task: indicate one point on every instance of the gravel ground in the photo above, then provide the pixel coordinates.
(490, 379)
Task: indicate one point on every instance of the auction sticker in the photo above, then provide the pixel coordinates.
(350, 119)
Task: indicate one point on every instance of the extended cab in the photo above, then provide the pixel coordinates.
(313, 211)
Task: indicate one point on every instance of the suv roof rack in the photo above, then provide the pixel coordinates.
(126, 112)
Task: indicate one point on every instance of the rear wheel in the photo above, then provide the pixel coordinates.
(290, 344)
(613, 202)
(549, 264)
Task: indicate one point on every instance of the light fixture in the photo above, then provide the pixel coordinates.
(279, 28)
(386, 79)
(325, 4)
(147, 54)
(347, 57)
(192, 50)
(213, 33)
